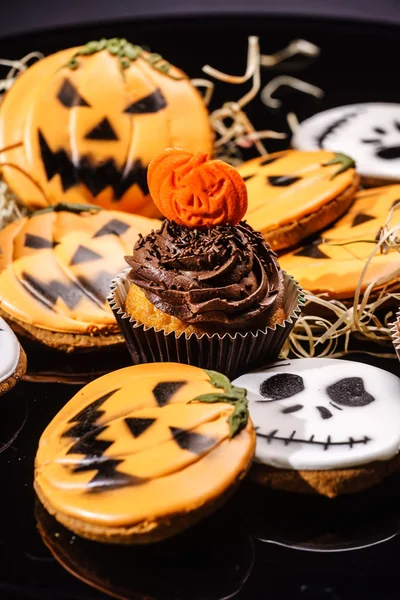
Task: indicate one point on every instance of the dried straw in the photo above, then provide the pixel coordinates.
(232, 127)
(368, 319)
(10, 209)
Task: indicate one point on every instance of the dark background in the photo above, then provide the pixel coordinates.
(358, 63)
(19, 16)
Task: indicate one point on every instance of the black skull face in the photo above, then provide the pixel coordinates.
(347, 392)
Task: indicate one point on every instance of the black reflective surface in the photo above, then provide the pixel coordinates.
(262, 544)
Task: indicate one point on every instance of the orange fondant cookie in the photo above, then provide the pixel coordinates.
(333, 264)
(55, 272)
(84, 123)
(142, 453)
(294, 194)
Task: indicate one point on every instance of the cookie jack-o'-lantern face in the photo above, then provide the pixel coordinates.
(86, 130)
(56, 267)
(332, 265)
(137, 433)
(323, 413)
(196, 192)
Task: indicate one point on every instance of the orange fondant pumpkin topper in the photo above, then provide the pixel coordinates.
(83, 124)
(196, 192)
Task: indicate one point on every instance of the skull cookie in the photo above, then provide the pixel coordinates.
(325, 416)
(369, 132)
(12, 358)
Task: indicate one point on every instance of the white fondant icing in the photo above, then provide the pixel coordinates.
(369, 133)
(359, 421)
(9, 351)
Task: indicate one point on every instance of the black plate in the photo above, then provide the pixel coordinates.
(262, 544)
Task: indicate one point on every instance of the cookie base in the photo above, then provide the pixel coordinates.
(64, 342)
(328, 483)
(146, 532)
(19, 372)
(371, 182)
(287, 236)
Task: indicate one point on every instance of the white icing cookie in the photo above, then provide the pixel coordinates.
(319, 414)
(369, 133)
(9, 351)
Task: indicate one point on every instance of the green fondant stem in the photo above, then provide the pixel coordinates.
(126, 54)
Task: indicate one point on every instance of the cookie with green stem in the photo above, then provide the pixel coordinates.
(294, 194)
(144, 452)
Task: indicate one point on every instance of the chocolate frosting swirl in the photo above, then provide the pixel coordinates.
(225, 275)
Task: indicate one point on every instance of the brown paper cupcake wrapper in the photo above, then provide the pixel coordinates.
(395, 331)
(231, 354)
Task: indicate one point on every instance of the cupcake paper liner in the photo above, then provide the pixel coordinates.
(395, 331)
(231, 354)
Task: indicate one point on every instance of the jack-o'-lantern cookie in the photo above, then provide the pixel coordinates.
(293, 194)
(55, 272)
(333, 263)
(84, 123)
(369, 132)
(12, 358)
(144, 452)
(324, 425)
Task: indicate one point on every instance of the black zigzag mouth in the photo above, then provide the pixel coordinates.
(95, 176)
(325, 444)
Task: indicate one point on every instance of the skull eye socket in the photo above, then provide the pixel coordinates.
(281, 386)
(349, 392)
(69, 95)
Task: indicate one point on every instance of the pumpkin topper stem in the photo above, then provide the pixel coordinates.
(126, 52)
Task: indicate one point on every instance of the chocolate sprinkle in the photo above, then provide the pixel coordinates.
(226, 274)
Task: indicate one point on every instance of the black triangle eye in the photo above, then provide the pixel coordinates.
(152, 103)
(349, 392)
(69, 95)
(281, 386)
(312, 251)
(361, 218)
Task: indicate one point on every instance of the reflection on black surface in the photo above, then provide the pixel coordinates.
(13, 417)
(46, 365)
(212, 561)
(318, 524)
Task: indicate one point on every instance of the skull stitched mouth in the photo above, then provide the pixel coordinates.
(326, 444)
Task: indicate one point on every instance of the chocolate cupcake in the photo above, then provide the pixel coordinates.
(205, 289)
(219, 279)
